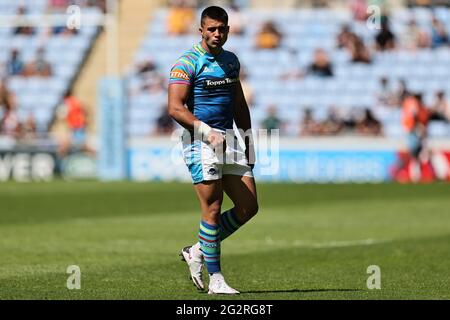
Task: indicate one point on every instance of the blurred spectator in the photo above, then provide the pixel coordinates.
(359, 9)
(318, 3)
(358, 50)
(73, 114)
(321, 65)
(76, 118)
(348, 120)
(344, 38)
(236, 20)
(385, 96)
(414, 37)
(415, 118)
(58, 30)
(153, 83)
(101, 4)
(402, 93)
(150, 80)
(7, 99)
(29, 130)
(40, 66)
(422, 3)
(423, 40)
(268, 37)
(180, 17)
(9, 123)
(14, 65)
(58, 6)
(439, 36)
(385, 39)
(164, 124)
(332, 124)
(64, 31)
(368, 125)
(440, 110)
(309, 126)
(410, 38)
(146, 66)
(272, 121)
(336, 124)
(21, 19)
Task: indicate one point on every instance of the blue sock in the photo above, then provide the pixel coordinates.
(229, 223)
(209, 239)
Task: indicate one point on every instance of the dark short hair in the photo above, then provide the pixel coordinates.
(215, 13)
(418, 96)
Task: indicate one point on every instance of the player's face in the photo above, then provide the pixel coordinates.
(214, 33)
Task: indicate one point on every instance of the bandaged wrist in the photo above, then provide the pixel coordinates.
(203, 129)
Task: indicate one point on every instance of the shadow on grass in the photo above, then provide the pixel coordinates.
(301, 291)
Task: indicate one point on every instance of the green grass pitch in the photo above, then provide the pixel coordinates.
(307, 241)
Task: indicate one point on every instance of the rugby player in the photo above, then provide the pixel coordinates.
(206, 97)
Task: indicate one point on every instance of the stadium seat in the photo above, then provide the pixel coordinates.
(353, 85)
(65, 55)
(438, 129)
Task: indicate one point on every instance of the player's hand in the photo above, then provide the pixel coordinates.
(216, 140)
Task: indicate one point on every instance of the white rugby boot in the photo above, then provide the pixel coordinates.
(194, 259)
(217, 285)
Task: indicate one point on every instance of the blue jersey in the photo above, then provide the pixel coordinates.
(213, 80)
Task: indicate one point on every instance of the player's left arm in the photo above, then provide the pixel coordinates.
(243, 122)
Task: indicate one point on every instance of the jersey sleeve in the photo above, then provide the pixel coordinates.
(183, 71)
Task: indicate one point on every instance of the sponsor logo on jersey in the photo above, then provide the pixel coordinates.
(179, 74)
(219, 83)
(208, 69)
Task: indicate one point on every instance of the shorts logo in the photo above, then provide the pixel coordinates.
(212, 171)
(179, 74)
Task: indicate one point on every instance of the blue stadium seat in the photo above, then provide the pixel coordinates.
(442, 13)
(438, 129)
(64, 54)
(352, 86)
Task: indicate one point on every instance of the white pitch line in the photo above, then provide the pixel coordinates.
(326, 244)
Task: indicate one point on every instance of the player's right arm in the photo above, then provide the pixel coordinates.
(179, 90)
(178, 95)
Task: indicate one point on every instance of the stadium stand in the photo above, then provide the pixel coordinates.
(64, 50)
(353, 87)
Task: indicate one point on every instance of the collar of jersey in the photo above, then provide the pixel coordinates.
(206, 53)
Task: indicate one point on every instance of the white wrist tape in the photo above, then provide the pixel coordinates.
(204, 130)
